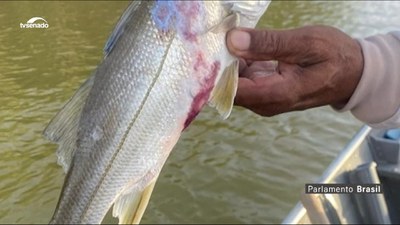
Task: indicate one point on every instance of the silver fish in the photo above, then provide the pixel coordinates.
(163, 62)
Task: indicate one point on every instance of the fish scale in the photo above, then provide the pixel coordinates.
(151, 84)
(99, 106)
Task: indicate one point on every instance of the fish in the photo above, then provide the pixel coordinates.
(163, 62)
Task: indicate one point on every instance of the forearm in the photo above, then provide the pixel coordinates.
(376, 100)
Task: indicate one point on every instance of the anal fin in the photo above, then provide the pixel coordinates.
(130, 207)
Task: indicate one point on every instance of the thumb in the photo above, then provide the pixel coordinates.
(252, 44)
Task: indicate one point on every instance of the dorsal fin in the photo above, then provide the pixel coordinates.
(63, 128)
(120, 27)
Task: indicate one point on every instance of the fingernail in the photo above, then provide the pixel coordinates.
(240, 40)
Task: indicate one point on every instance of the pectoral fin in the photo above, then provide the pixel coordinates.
(129, 208)
(223, 94)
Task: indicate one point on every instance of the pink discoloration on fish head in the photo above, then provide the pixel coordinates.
(203, 95)
(185, 17)
(190, 15)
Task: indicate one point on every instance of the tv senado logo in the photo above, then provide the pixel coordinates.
(31, 23)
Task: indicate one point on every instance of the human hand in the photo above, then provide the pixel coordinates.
(314, 66)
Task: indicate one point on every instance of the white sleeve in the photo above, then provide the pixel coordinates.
(376, 100)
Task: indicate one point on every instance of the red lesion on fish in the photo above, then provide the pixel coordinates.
(203, 95)
(200, 62)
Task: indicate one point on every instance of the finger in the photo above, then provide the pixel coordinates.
(242, 66)
(244, 93)
(265, 67)
(288, 69)
(261, 68)
(251, 44)
(252, 92)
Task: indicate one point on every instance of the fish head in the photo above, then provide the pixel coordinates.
(249, 11)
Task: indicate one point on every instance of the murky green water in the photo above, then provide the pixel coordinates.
(247, 169)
